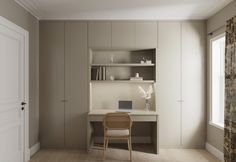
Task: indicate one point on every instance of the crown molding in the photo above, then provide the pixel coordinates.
(30, 7)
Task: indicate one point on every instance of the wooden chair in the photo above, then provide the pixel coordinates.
(117, 126)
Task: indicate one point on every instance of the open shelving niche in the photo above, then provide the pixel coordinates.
(105, 94)
(126, 63)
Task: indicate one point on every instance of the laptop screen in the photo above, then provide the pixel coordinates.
(125, 105)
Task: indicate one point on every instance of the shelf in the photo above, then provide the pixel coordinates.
(123, 64)
(122, 81)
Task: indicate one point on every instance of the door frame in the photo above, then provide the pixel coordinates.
(25, 34)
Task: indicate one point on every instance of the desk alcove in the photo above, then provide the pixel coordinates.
(144, 130)
(105, 93)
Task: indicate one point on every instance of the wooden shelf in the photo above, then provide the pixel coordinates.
(122, 81)
(123, 64)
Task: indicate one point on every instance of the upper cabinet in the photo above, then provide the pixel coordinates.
(99, 34)
(123, 34)
(146, 34)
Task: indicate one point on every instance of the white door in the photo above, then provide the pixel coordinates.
(12, 50)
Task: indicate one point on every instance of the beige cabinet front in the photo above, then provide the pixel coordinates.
(51, 84)
(193, 81)
(123, 34)
(63, 84)
(181, 83)
(146, 34)
(99, 34)
(168, 83)
(76, 84)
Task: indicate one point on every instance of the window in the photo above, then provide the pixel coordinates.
(217, 80)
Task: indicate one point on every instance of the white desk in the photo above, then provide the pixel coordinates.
(136, 115)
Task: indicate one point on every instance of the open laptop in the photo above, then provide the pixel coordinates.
(125, 106)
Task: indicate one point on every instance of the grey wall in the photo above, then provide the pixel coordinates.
(216, 24)
(16, 14)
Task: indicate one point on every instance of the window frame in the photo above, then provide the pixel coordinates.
(213, 38)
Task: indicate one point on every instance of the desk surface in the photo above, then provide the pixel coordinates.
(132, 112)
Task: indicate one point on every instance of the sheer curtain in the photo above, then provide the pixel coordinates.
(230, 92)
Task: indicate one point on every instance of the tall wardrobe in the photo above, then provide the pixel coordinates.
(63, 84)
(181, 84)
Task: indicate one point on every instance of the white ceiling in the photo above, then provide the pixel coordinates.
(123, 9)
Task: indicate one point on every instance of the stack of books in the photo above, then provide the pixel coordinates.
(136, 78)
(101, 73)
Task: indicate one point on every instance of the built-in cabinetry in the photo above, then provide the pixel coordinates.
(52, 80)
(76, 84)
(169, 83)
(121, 65)
(181, 83)
(99, 34)
(122, 34)
(71, 52)
(63, 84)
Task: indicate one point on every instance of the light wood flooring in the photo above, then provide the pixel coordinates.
(121, 155)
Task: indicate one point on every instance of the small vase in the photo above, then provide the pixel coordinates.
(147, 105)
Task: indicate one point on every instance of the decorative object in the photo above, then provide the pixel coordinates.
(112, 78)
(143, 61)
(148, 61)
(230, 92)
(136, 78)
(112, 59)
(147, 95)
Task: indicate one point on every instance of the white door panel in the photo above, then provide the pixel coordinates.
(169, 81)
(11, 95)
(193, 81)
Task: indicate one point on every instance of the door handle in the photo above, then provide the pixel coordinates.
(23, 103)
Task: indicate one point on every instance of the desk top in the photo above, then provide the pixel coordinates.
(132, 112)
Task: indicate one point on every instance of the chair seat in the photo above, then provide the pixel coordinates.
(117, 133)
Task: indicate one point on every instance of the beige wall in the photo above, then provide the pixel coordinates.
(13, 12)
(215, 24)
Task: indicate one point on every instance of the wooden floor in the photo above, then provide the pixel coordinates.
(120, 155)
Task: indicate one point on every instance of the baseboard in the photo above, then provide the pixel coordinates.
(214, 151)
(27, 155)
(134, 140)
(35, 148)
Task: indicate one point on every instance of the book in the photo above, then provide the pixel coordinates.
(103, 73)
(97, 73)
(100, 73)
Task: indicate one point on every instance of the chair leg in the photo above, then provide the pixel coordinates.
(130, 148)
(104, 147)
(128, 144)
(107, 143)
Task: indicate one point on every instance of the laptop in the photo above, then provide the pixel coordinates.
(125, 106)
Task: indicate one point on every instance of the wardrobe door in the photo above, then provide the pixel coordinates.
(146, 34)
(193, 81)
(76, 84)
(123, 34)
(169, 83)
(52, 84)
(99, 34)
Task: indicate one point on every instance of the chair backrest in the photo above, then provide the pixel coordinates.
(117, 120)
